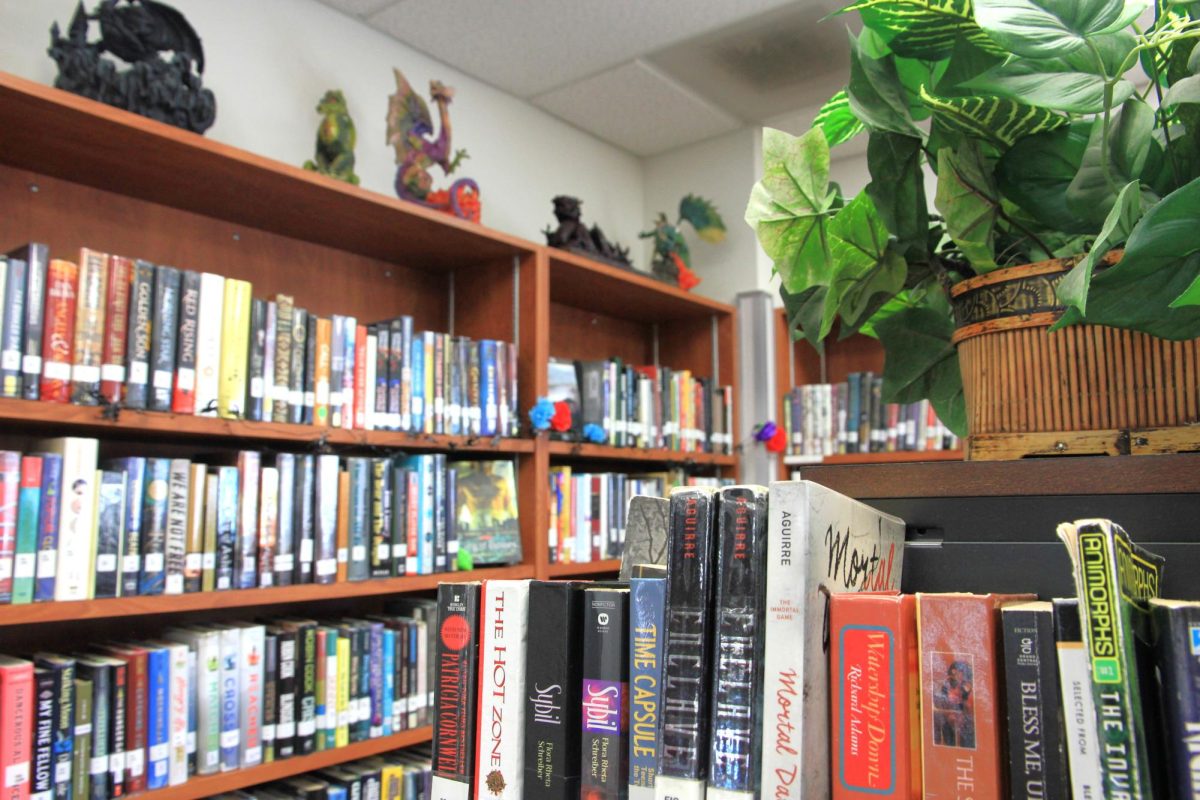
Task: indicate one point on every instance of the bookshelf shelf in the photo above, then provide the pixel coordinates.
(609, 453)
(91, 420)
(606, 567)
(200, 786)
(899, 457)
(108, 608)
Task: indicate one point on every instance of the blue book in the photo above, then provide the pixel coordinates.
(359, 566)
(489, 390)
(335, 792)
(421, 467)
(152, 579)
(158, 716)
(375, 678)
(647, 610)
(47, 546)
(416, 351)
(131, 550)
(389, 679)
(227, 513)
(231, 647)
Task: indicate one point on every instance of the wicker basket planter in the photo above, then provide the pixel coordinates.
(1084, 389)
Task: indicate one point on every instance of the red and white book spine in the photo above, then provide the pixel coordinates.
(116, 328)
(500, 736)
(360, 378)
(16, 727)
(10, 492)
(368, 387)
(58, 338)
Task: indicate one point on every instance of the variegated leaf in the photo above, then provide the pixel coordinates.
(924, 29)
(837, 120)
(1001, 122)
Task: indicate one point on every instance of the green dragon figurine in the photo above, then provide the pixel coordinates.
(335, 140)
(672, 259)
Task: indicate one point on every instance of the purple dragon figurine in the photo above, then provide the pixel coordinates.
(410, 131)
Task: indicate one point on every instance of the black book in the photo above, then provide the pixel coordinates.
(361, 730)
(285, 723)
(306, 687)
(457, 681)
(310, 369)
(399, 478)
(189, 320)
(270, 696)
(591, 392)
(42, 768)
(380, 557)
(302, 517)
(98, 671)
(400, 679)
(553, 682)
(395, 372)
(13, 334)
(348, 782)
(110, 515)
(1036, 748)
(740, 610)
(687, 646)
(141, 328)
(1176, 626)
(258, 382)
(295, 408)
(36, 257)
(285, 540)
(605, 747)
(119, 698)
(305, 787)
(154, 525)
(350, 631)
(383, 344)
(62, 671)
(359, 566)
(164, 337)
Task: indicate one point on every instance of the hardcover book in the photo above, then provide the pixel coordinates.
(28, 510)
(76, 516)
(235, 348)
(89, 326)
(13, 330)
(110, 532)
(1176, 625)
(486, 522)
(17, 726)
(280, 396)
(10, 492)
(502, 641)
(246, 555)
(1079, 707)
(175, 545)
(183, 400)
(164, 338)
(818, 541)
(141, 323)
(116, 328)
(604, 702)
(59, 331)
(256, 369)
(36, 258)
(325, 513)
(1113, 574)
(208, 344)
(647, 614)
(154, 526)
(456, 697)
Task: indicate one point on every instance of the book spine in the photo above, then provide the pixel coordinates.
(109, 533)
(285, 556)
(256, 371)
(77, 522)
(208, 344)
(268, 526)
(1037, 761)
(683, 756)
(82, 739)
(18, 698)
(118, 735)
(35, 257)
(1177, 655)
(231, 732)
(193, 564)
(179, 692)
(131, 524)
(250, 700)
(310, 369)
(116, 329)
(164, 337)
(59, 326)
(175, 544)
(647, 613)
(605, 716)
(270, 709)
(349, 369)
(323, 372)
(387, 705)
(154, 526)
(158, 719)
(456, 698)
(281, 397)
(361, 378)
(208, 702)
(141, 324)
(63, 725)
(100, 676)
(440, 556)
(227, 527)
(270, 338)
(380, 556)
(325, 515)
(397, 360)
(360, 518)
(415, 353)
(183, 401)
(285, 722)
(337, 368)
(379, 368)
(342, 713)
(502, 639)
(452, 505)
(29, 501)
(399, 508)
(295, 398)
(13, 332)
(235, 347)
(304, 520)
(89, 326)
(42, 759)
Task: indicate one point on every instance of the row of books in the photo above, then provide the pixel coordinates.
(108, 329)
(825, 419)
(647, 406)
(399, 775)
(73, 527)
(201, 700)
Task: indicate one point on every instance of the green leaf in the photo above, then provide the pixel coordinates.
(1185, 91)
(804, 310)
(1093, 190)
(866, 271)
(1073, 289)
(1152, 287)
(1053, 28)
(969, 202)
(877, 97)
(704, 218)
(897, 186)
(966, 61)
(837, 120)
(1049, 84)
(920, 361)
(922, 29)
(999, 121)
(1036, 171)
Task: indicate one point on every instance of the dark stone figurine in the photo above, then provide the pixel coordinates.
(575, 236)
(163, 62)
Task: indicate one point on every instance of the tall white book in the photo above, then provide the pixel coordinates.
(500, 755)
(818, 541)
(74, 575)
(250, 681)
(1078, 704)
(208, 343)
(178, 694)
(205, 644)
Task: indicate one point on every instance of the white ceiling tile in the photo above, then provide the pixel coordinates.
(359, 8)
(636, 107)
(533, 46)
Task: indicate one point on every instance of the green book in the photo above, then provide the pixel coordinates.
(1114, 578)
(29, 501)
(81, 758)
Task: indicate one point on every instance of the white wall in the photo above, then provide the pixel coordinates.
(269, 61)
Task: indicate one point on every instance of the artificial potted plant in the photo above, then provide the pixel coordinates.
(1059, 131)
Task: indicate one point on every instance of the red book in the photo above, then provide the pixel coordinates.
(58, 338)
(961, 705)
(10, 490)
(874, 688)
(360, 377)
(136, 687)
(116, 328)
(411, 496)
(16, 727)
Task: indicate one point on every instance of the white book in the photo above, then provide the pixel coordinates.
(605, 519)
(268, 524)
(206, 644)
(330, 722)
(581, 503)
(179, 692)
(230, 643)
(250, 682)
(817, 541)
(1079, 721)
(208, 343)
(502, 688)
(76, 517)
(369, 383)
(348, 368)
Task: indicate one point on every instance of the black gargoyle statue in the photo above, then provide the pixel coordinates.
(576, 237)
(164, 56)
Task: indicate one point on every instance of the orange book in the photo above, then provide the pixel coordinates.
(321, 371)
(874, 696)
(116, 328)
(343, 526)
(961, 702)
(360, 378)
(58, 339)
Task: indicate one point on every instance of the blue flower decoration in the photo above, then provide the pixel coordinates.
(593, 433)
(541, 413)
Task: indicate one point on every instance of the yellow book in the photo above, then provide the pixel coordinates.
(560, 513)
(193, 565)
(393, 782)
(235, 344)
(321, 371)
(342, 735)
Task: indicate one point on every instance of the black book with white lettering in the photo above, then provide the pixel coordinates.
(1037, 757)
(553, 681)
(456, 696)
(604, 756)
(688, 645)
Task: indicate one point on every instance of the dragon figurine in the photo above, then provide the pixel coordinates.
(410, 131)
(335, 139)
(672, 259)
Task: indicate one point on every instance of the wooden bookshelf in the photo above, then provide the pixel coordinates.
(897, 457)
(199, 786)
(602, 452)
(608, 566)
